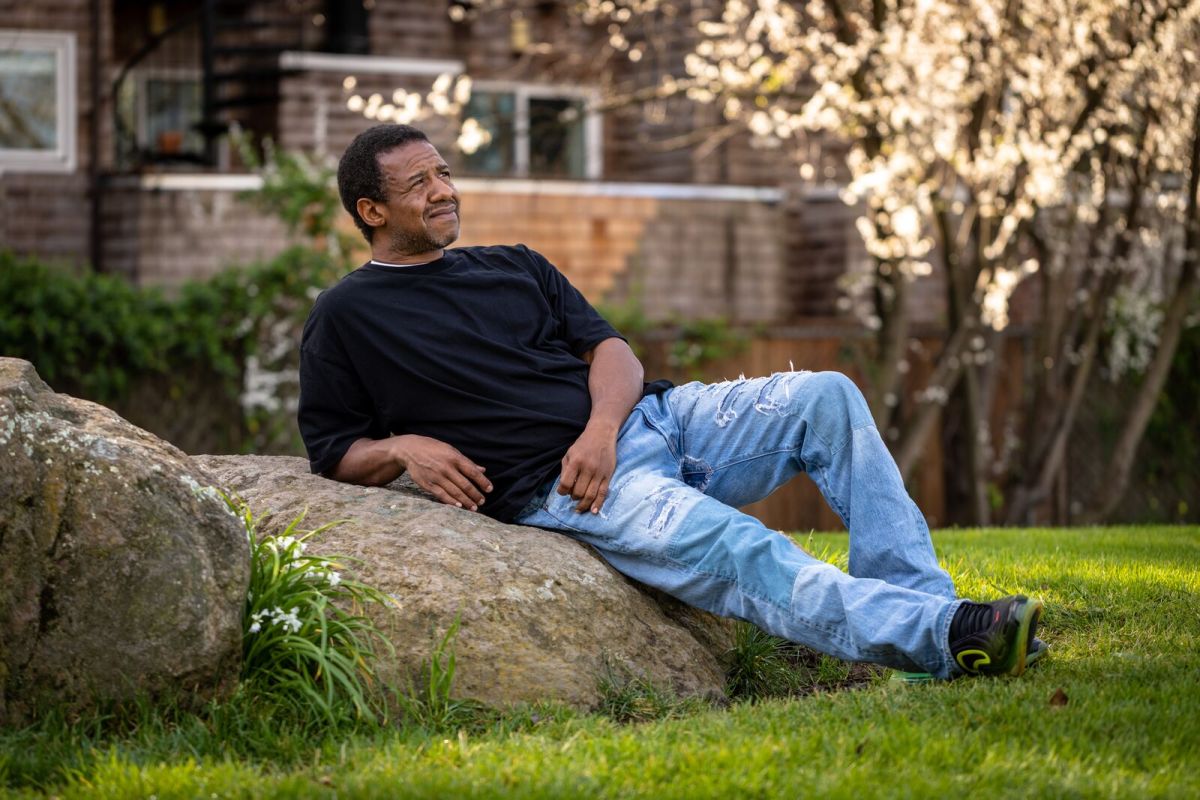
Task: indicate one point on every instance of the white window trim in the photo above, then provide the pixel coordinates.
(63, 158)
(374, 65)
(248, 182)
(593, 159)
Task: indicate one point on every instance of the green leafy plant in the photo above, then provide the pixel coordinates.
(428, 704)
(298, 188)
(702, 341)
(235, 334)
(306, 642)
(694, 343)
(629, 318)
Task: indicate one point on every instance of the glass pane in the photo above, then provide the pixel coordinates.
(172, 111)
(556, 137)
(28, 100)
(495, 113)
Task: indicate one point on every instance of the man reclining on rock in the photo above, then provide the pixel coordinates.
(488, 378)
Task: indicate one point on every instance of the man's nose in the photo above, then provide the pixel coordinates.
(442, 189)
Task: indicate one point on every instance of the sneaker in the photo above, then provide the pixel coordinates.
(994, 638)
(1037, 649)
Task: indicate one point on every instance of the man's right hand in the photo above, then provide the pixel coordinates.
(435, 466)
(442, 470)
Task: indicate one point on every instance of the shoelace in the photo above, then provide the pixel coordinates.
(971, 618)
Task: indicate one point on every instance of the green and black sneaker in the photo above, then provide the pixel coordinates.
(994, 638)
(1037, 649)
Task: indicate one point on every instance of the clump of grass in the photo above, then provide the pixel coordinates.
(627, 697)
(762, 666)
(307, 645)
(428, 704)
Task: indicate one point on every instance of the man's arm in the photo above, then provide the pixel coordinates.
(435, 466)
(615, 384)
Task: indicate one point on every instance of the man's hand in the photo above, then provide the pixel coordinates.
(615, 385)
(442, 470)
(588, 466)
(438, 468)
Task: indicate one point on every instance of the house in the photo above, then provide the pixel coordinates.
(114, 150)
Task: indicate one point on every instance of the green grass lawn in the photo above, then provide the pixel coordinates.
(1122, 619)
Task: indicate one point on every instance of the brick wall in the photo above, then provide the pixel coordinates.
(710, 258)
(590, 239)
(165, 238)
(313, 116)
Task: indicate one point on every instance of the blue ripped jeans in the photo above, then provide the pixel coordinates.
(687, 459)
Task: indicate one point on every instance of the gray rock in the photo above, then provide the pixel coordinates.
(542, 616)
(121, 569)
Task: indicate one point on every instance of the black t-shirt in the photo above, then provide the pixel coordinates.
(479, 349)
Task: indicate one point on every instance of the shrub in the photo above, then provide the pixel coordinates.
(306, 641)
(97, 336)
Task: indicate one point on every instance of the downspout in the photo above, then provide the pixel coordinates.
(95, 234)
(208, 88)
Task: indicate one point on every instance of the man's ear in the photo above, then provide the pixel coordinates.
(372, 212)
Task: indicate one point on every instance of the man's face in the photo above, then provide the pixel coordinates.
(421, 212)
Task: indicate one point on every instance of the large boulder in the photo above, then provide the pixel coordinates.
(542, 616)
(122, 571)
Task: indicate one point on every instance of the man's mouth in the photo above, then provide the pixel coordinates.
(443, 211)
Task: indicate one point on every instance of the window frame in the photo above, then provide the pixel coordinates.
(593, 166)
(142, 76)
(63, 158)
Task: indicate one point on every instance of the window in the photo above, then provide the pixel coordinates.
(533, 131)
(159, 110)
(37, 101)
(168, 113)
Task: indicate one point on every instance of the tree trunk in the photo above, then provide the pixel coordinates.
(945, 377)
(1116, 477)
(891, 345)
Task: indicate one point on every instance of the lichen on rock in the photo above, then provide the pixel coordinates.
(116, 576)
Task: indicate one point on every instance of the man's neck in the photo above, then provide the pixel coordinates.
(405, 259)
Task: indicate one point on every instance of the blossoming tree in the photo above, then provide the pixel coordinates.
(991, 143)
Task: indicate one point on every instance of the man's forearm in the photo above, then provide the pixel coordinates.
(615, 384)
(435, 466)
(369, 462)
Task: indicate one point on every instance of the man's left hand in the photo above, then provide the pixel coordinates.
(587, 468)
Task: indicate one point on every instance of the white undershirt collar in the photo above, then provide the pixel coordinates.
(402, 266)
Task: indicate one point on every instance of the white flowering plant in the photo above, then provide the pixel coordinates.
(307, 642)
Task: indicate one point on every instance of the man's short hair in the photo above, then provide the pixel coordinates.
(358, 171)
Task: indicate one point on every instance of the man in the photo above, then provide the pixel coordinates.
(488, 378)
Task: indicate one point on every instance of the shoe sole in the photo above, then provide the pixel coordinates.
(1032, 656)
